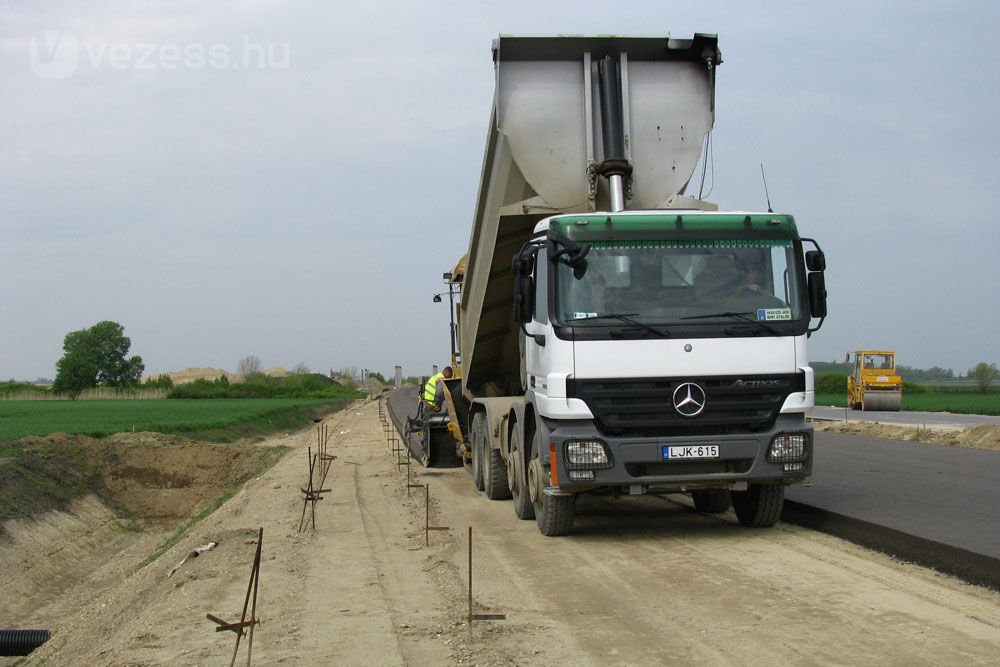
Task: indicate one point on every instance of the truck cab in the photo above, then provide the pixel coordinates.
(665, 352)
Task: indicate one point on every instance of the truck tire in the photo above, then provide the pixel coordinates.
(760, 505)
(711, 501)
(494, 472)
(478, 433)
(517, 479)
(553, 514)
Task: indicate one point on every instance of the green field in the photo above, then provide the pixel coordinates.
(966, 403)
(221, 420)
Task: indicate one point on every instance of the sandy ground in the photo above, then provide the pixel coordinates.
(986, 436)
(641, 581)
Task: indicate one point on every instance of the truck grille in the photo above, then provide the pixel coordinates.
(644, 407)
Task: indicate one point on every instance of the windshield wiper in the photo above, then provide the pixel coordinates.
(739, 316)
(624, 317)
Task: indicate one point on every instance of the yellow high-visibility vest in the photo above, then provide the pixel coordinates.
(430, 389)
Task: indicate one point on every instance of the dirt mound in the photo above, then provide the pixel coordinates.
(210, 374)
(192, 374)
(986, 436)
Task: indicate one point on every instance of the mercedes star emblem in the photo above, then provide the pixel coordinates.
(689, 399)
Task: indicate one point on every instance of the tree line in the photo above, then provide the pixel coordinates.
(99, 357)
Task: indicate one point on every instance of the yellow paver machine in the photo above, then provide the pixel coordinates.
(874, 384)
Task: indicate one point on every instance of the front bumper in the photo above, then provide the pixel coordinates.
(637, 465)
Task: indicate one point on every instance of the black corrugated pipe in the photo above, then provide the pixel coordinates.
(611, 109)
(22, 642)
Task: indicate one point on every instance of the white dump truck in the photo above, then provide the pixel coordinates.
(617, 335)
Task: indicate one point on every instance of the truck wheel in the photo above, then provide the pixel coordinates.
(711, 501)
(478, 428)
(760, 505)
(494, 471)
(516, 479)
(553, 514)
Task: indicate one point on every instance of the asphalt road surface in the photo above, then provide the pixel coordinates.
(939, 493)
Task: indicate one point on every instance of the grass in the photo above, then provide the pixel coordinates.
(219, 420)
(933, 401)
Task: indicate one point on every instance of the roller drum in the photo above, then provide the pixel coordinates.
(884, 401)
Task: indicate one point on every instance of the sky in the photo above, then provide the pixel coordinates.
(290, 179)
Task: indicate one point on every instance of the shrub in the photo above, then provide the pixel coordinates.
(158, 382)
(13, 388)
(831, 383)
(312, 385)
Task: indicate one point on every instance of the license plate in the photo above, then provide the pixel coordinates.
(686, 452)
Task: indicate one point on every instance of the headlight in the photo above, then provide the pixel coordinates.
(788, 447)
(587, 454)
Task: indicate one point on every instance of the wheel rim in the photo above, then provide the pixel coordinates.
(512, 471)
(534, 479)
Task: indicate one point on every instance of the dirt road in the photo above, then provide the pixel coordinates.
(641, 581)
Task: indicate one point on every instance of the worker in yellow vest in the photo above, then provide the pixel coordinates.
(433, 395)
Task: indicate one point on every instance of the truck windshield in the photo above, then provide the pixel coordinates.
(664, 282)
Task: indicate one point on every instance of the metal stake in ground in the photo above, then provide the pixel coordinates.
(478, 617)
(409, 474)
(240, 627)
(323, 439)
(427, 517)
(326, 460)
(397, 450)
(311, 493)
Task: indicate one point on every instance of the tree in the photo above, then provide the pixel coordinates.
(984, 374)
(97, 356)
(250, 368)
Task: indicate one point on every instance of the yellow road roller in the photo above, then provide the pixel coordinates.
(874, 384)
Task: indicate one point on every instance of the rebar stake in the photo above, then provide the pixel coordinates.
(240, 627)
(311, 493)
(427, 517)
(409, 475)
(478, 617)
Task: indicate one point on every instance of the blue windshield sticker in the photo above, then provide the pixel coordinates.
(771, 314)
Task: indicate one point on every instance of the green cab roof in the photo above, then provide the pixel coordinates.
(674, 225)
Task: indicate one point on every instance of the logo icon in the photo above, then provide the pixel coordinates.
(56, 55)
(689, 399)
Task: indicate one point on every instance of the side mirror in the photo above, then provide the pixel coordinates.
(815, 260)
(524, 299)
(817, 293)
(524, 285)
